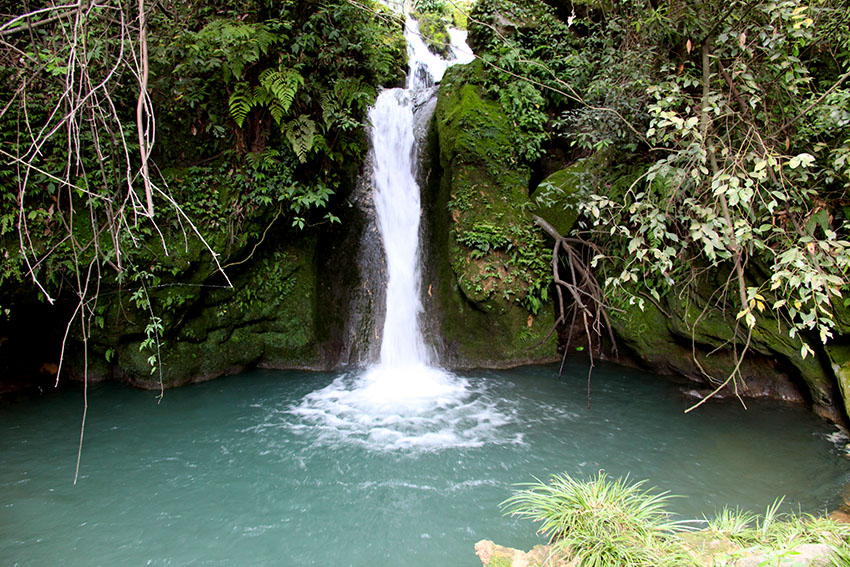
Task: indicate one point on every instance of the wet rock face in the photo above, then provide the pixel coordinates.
(298, 300)
(680, 336)
(487, 261)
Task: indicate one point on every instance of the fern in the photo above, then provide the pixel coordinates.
(241, 102)
(330, 108)
(301, 133)
(282, 86)
(276, 92)
(348, 99)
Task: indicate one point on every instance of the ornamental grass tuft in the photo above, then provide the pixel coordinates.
(602, 522)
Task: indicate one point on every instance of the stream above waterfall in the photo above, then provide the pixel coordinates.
(233, 472)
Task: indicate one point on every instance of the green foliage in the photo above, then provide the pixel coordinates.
(301, 134)
(276, 92)
(601, 522)
(730, 191)
(484, 237)
(730, 123)
(775, 535)
(522, 103)
(260, 112)
(840, 556)
(434, 29)
(227, 46)
(430, 6)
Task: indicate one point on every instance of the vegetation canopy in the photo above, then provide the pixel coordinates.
(152, 146)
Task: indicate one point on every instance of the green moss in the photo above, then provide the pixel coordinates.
(839, 357)
(555, 198)
(493, 273)
(267, 317)
(696, 342)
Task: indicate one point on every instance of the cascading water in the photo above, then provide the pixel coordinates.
(403, 401)
(396, 197)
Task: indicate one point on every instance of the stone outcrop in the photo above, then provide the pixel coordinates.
(489, 268)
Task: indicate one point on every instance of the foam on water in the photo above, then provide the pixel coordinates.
(417, 408)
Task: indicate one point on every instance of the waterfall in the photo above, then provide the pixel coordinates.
(403, 401)
(396, 197)
(396, 193)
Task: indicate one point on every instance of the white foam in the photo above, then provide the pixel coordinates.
(414, 409)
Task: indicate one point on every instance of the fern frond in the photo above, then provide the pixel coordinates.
(283, 85)
(330, 108)
(301, 132)
(262, 96)
(277, 111)
(354, 91)
(241, 102)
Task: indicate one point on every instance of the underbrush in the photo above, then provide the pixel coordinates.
(605, 522)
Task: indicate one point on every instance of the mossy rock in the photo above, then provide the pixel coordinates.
(435, 32)
(491, 263)
(492, 20)
(556, 198)
(268, 318)
(695, 342)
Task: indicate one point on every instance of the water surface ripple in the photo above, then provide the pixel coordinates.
(239, 471)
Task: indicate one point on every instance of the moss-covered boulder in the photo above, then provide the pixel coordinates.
(556, 197)
(435, 32)
(489, 285)
(679, 335)
(267, 317)
(839, 357)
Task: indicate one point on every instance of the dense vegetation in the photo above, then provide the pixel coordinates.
(138, 146)
(715, 138)
(706, 147)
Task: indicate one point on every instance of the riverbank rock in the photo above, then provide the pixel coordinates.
(492, 555)
(297, 300)
(680, 335)
(803, 555)
(487, 293)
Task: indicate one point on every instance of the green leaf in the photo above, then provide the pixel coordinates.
(241, 102)
(301, 134)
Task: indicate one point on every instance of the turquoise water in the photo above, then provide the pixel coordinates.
(251, 471)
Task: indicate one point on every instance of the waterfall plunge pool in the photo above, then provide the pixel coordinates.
(282, 468)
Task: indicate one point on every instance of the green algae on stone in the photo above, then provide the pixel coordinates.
(492, 271)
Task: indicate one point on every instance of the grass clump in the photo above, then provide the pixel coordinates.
(605, 522)
(775, 535)
(602, 522)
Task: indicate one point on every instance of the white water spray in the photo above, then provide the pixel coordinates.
(396, 197)
(403, 401)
